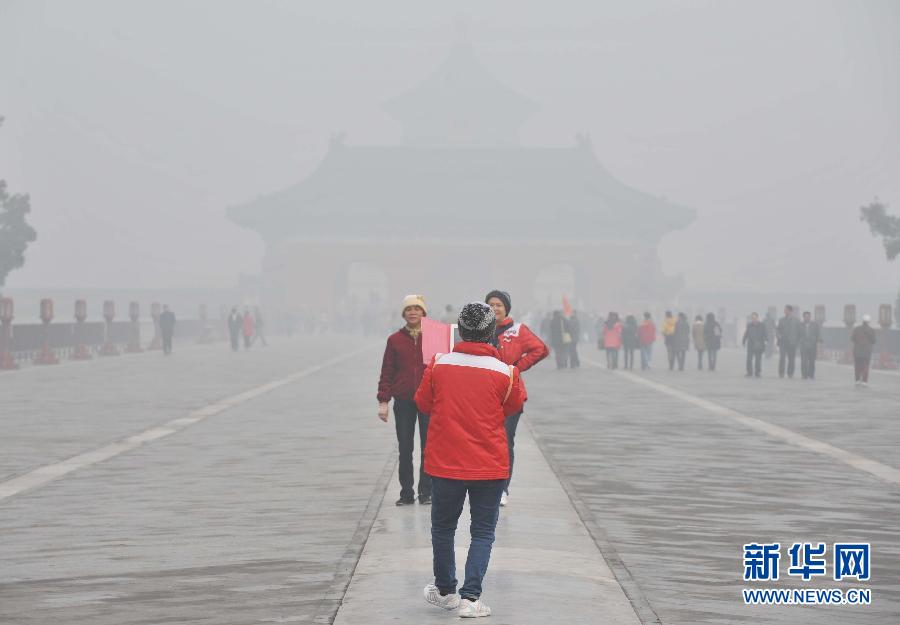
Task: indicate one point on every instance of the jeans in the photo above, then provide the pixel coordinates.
(711, 358)
(446, 506)
(788, 354)
(511, 423)
(612, 358)
(808, 362)
(646, 355)
(754, 362)
(167, 342)
(405, 416)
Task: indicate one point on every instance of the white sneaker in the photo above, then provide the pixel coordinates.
(473, 609)
(434, 597)
(503, 499)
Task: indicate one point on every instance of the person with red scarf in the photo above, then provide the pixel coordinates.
(520, 347)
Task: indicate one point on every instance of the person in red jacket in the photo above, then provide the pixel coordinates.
(468, 393)
(518, 346)
(646, 336)
(401, 372)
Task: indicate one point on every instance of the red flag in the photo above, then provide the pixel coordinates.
(567, 308)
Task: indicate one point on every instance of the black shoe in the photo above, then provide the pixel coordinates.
(425, 500)
(405, 501)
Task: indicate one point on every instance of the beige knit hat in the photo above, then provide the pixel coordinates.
(414, 300)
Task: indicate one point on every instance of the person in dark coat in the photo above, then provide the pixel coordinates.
(630, 340)
(863, 339)
(235, 326)
(402, 368)
(681, 340)
(557, 335)
(809, 346)
(712, 336)
(573, 327)
(755, 338)
(167, 329)
(788, 334)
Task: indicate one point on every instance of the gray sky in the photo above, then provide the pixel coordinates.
(133, 124)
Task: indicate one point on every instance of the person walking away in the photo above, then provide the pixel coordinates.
(573, 327)
(260, 326)
(612, 339)
(668, 331)
(712, 338)
(755, 338)
(699, 340)
(235, 325)
(402, 367)
(630, 341)
(557, 340)
(518, 346)
(468, 393)
(681, 340)
(647, 336)
(863, 339)
(810, 337)
(248, 328)
(788, 334)
(166, 329)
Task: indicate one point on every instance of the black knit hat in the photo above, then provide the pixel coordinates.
(503, 296)
(477, 322)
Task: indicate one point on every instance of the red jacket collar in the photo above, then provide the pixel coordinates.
(477, 349)
(506, 322)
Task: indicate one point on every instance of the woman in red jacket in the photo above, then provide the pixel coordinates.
(518, 346)
(468, 393)
(401, 372)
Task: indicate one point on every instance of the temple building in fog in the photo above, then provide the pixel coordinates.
(459, 207)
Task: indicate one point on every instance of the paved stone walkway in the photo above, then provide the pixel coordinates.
(259, 513)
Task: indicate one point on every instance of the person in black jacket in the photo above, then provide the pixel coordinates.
(630, 340)
(681, 339)
(788, 333)
(235, 325)
(755, 338)
(167, 329)
(809, 345)
(712, 336)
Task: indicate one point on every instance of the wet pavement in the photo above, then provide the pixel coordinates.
(265, 511)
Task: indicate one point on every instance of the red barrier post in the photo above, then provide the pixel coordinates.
(849, 321)
(81, 351)
(109, 313)
(885, 360)
(6, 318)
(46, 355)
(134, 342)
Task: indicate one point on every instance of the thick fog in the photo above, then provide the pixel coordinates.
(133, 125)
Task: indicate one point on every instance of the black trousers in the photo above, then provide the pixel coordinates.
(754, 362)
(573, 355)
(787, 354)
(235, 341)
(405, 416)
(700, 359)
(562, 356)
(511, 423)
(808, 362)
(711, 357)
(167, 342)
(629, 357)
(679, 356)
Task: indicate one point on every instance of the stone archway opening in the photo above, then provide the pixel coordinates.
(552, 283)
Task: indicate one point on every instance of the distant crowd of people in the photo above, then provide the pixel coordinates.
(246, 325)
